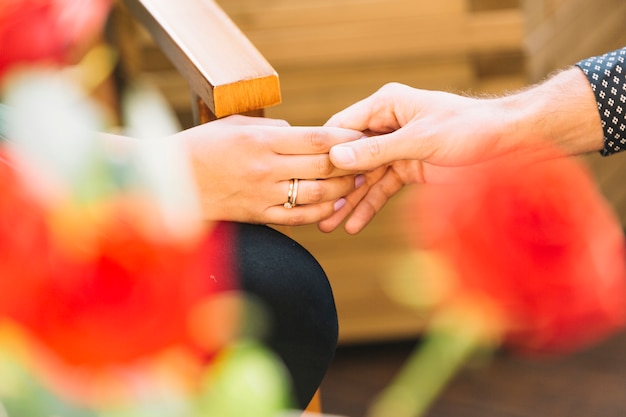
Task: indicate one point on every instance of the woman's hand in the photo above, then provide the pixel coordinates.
(243, 167)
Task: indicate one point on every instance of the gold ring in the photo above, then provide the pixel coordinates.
(289, 203)
(295, 192)
(292, 194)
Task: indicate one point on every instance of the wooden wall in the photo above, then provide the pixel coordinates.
(562, 32)
(331, 53)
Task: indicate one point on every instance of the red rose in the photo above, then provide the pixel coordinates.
(47, 30)
(125, 297)
(537, 240)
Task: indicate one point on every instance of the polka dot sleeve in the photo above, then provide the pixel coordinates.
(607, 75)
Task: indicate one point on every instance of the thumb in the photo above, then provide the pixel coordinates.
(366, 153)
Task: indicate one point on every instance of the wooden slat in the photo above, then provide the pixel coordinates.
(312, 94)
(491, 31)
(303, 33)
(559, 41)
(288, 13)
(221, 65)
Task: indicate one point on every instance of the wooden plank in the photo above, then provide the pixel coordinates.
(491, 31)
(221, 65)
(570, 13)
(312, 94)
(383, 39)
(253, 14)
(482, 5)
(560, 42)
(533, 13)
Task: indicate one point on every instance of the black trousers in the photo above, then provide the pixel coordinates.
(295, 292)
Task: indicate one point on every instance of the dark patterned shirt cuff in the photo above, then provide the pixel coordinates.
(607, 75)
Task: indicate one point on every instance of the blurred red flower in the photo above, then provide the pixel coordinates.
(538, 241)
(50, 31)
(124, 297)
(23, 235)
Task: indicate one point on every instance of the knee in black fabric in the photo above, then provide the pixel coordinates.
(296, 293)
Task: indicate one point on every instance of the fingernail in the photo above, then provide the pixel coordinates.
(343, 155)
(359, 180)
(339, 204)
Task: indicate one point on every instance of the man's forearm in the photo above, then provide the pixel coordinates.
(561, 111)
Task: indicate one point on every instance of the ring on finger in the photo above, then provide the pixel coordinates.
(295, 192)
(292, 194)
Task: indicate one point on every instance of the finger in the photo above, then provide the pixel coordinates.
(355, 117)
(376, 113)
(343, 208)
(315, 192)
(305, 192)
(305, 140)
(372, 151)
(347, 205)
(299, 215)
(317, 166)
(373, 202)
(240, 120)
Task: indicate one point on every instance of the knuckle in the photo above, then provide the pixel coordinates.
(374, 145)
(318, 140)
(324, 166)
(315, 192)
(390, 87)
(392, 90)
(252, 135)
(258, 170)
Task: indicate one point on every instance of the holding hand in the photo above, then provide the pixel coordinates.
(401, 122)
(244, 167)
(419, 136)
(409, 135)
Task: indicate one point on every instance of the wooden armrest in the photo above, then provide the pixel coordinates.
(221, 65)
